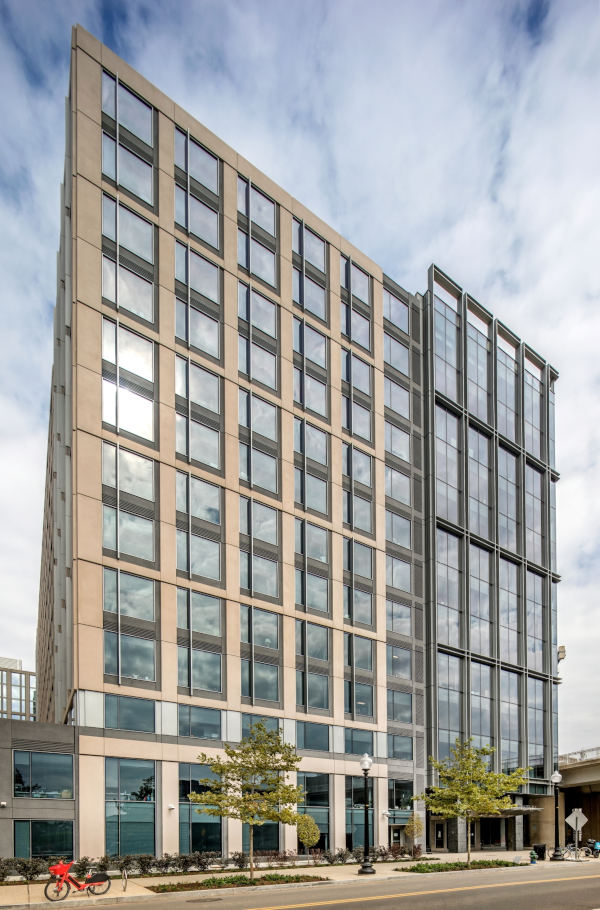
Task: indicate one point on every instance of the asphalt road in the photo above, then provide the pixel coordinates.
(541, 887)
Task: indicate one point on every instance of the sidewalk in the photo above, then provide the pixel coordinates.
(32, 895)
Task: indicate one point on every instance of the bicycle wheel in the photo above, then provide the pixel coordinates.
(100, 888)
(54, 891)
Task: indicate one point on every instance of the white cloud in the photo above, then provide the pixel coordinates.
(423, 132)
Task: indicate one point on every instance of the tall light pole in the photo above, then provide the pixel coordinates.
(366, 868)
(555, 780)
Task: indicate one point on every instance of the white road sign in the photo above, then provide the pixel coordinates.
(576, 819)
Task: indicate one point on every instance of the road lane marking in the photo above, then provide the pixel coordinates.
(387, 897)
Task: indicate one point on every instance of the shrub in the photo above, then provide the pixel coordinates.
(268, 856)
(417, 850)
(6, 867)
(239, 859)
(125, 863)
(164, 863)
(105, 863)
(342, 854)
(457, 866)
(29, 869)
(202, 860)
(329, 856)
(315, 856)
(82, 866)
(358, 854)
(145, 863)
(232, 881)
(383, 853)
(183, 862)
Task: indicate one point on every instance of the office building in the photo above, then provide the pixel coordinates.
(244, 517)
(17, 690)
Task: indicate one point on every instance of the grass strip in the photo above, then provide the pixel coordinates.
(235, 881)
(459, 866)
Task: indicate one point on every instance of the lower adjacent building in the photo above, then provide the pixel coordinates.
(279, 485)
(17, 691)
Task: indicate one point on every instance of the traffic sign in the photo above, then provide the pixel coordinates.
(576, 819)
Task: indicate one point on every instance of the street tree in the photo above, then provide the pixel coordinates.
(414, 829)
(251, 784)
(468, 788)
(308, 830)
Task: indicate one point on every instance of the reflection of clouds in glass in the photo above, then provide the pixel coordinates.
(264, 418)
(204, 388)
(136, 354)
(316, 592)
(136, 536)
(109, 528)
(264, 314)
(182, 551)
(110, 653)
(136, 234)
(264, 525)
(204, 221)
(206, 614)
(264, 576)
(137, 596)
(205, 500)
(265, 628)
(204, 277)
(316, 493)
(264, 366)
(205, 557)
(183, 658)
(206, 670)
(266, 681)
(137, 658)
(204, 332)
(136, 475)
(135, 294)
(135, 174)
(263, 262)
(204, 444)
(264, 470)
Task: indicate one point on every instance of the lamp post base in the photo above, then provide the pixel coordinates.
(557, 855)
(366, 869)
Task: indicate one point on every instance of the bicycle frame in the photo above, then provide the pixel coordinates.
(62, 875)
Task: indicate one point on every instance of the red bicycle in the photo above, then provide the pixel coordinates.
(62, 881)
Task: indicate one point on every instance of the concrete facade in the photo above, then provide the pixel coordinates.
(38, 738)
(238, 509)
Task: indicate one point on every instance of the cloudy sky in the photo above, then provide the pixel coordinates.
(460, 132)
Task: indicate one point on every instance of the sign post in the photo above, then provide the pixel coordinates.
(576, 820)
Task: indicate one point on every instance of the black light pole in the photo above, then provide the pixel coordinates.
(366, 868)
(556, 779)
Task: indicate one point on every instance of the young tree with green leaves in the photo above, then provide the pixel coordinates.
(251, 784)
(468, 788)
(308, 830)
(414, 829)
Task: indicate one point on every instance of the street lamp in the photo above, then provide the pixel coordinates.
(366, 868)
(555, 780)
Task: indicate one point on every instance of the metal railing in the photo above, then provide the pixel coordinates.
(572, 758)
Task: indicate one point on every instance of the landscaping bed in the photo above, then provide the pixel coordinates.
(459, 866)
(236, 881)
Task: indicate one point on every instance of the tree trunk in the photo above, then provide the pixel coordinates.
(251, 829)
(468, 841)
